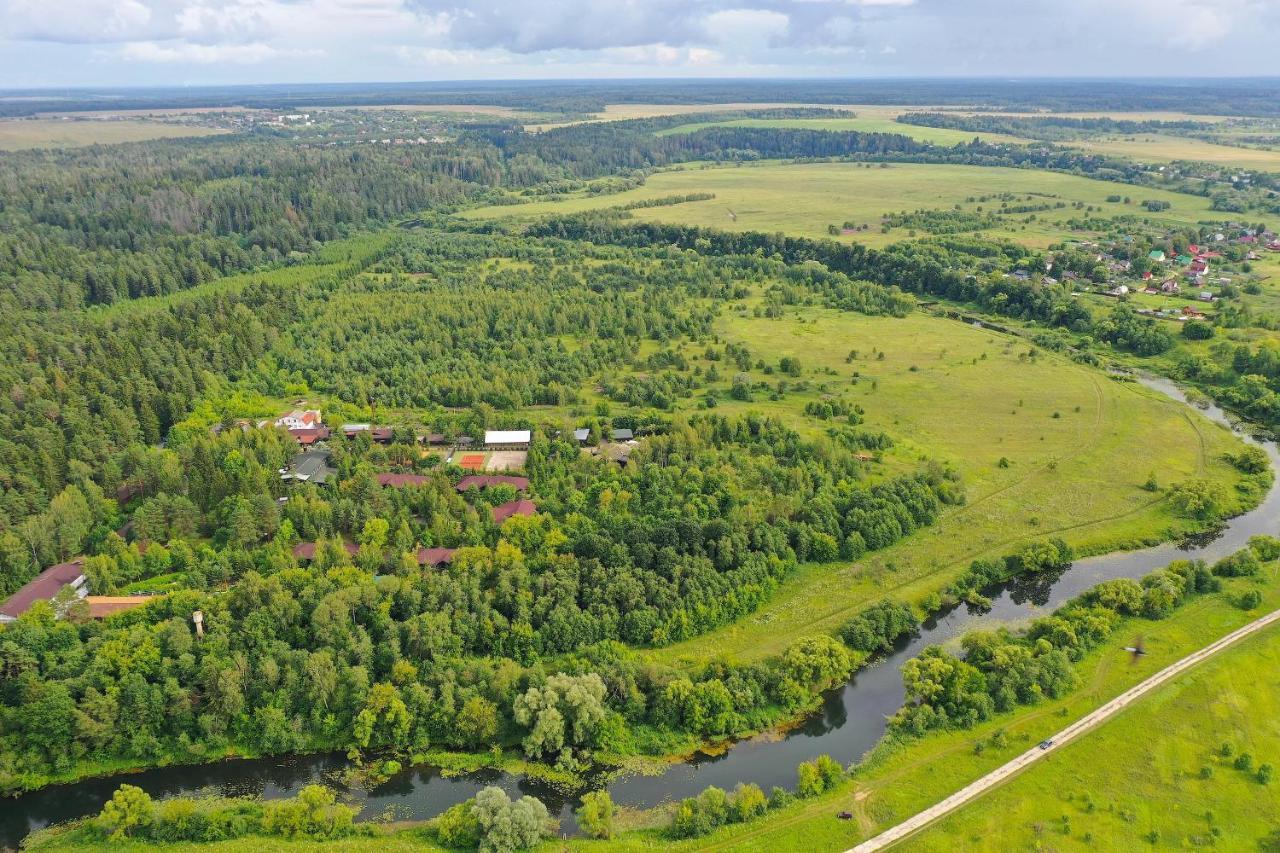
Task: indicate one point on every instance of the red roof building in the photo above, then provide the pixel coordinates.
(43, 587)
(434, 556)
(483, 481)
(401, 480)
(524, 507)
(307, 550)
(308, 436)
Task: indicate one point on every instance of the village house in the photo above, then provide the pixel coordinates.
(379, 435)
(307, 436)
(523, 506)
(300, 419)
(621, 435)
(510, 439)
(309, 466)
(45, 587)
(484, 481)
(400, 480)
(581, 435)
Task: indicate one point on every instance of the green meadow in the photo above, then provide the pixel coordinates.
(970, 397)
(804, 199)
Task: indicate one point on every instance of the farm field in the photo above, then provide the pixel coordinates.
(1160, 147)
(804, 199)
(17, 135)
(985, 401)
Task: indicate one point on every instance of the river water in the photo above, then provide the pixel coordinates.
(850, 722)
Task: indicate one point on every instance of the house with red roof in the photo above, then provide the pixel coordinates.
(45, 587)
(307, 436)
(524, 507)
(435, 556)
(484, 481)
(300, 419)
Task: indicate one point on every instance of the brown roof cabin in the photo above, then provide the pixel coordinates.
(400, 480)
(434, 556)
(436, 439)
(524, 507)
(307, 550)
(483, 481)
(43, 587)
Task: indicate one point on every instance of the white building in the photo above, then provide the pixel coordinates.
(300, 419)
(509, 439)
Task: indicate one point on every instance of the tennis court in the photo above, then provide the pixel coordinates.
(472, 462)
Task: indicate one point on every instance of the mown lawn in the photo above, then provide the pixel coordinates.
(804, 199)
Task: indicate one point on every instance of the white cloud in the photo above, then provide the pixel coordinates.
(204, 54)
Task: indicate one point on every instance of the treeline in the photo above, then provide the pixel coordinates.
(1001, 669)
(1047, 127)
(946, 268)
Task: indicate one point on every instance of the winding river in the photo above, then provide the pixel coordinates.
(850, 722)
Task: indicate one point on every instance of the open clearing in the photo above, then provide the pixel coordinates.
(803, 199)
(21, 134)
(970, 397)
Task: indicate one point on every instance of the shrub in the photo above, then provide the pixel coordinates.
(459, 827)
(1243, 563)
(129, 810)
(1250, 599)
(507, 825)
(748, 801)
(595, 816)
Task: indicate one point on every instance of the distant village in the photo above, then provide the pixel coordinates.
(1197, 273)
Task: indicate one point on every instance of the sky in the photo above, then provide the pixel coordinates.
(208, 42)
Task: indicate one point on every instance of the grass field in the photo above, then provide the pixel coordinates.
(1160, 147)
(1139, 783)
(21, 134)
(970, 397)
(803, 199)
(1212, 704)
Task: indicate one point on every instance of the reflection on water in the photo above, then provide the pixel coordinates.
(849, 722)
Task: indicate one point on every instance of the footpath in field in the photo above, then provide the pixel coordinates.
(1000, 774)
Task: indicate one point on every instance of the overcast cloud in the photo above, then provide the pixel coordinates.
(140, 42)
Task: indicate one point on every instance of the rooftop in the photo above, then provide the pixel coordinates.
(43, 587)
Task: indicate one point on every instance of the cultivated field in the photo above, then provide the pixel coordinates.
(970, 397)
(804, 199)
(21, 134)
